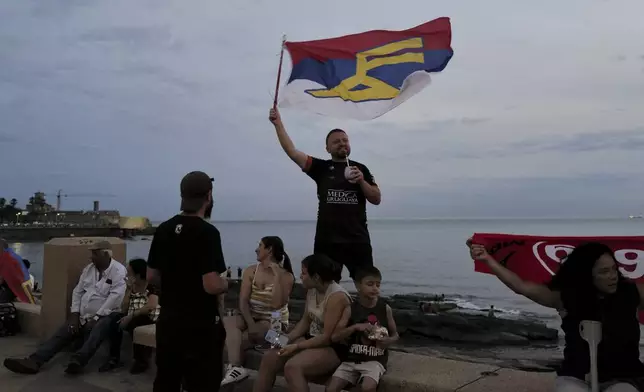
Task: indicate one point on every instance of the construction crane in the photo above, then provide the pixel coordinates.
(60, 195)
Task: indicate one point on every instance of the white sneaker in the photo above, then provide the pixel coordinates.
(234, 374)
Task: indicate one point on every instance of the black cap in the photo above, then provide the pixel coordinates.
(195, 187)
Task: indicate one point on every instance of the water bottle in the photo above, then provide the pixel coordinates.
(276, 321)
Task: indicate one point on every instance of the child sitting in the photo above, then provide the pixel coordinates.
(370, 330)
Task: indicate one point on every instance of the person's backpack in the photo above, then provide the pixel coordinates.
(8, 320)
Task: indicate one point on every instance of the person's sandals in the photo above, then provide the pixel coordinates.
(234, 374)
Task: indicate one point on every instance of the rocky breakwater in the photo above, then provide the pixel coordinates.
(420, 329)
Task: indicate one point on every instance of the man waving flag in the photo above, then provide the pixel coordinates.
(363, 76)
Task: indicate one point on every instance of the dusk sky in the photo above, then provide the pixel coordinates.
(536, 114)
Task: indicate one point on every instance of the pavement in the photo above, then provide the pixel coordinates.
(406, 372)
(52, 377)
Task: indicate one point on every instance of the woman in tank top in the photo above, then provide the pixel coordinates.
(588, 286)
(265, 289)
(310, 352)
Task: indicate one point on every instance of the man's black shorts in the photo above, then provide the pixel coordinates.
(351, 255)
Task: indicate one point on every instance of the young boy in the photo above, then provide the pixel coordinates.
(367, 358)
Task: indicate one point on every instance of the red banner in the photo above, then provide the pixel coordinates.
(536, 258)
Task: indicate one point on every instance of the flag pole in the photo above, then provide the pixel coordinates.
(279, 73)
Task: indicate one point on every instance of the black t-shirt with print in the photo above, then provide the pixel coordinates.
(185, 248)
(362, 349)
(342, 208)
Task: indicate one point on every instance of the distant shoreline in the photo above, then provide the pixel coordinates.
(43, 234)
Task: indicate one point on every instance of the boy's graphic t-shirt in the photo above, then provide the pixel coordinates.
(361, 349)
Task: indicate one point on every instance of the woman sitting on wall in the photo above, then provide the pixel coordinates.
(588, 286)
(265, 288)
(141, 308)
(310, 352)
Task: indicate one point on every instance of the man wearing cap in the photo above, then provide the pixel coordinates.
(96, 302)
(185, 261)
(344, 187)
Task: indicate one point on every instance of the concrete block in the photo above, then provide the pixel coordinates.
(509, 380)
(145, 335)
(29, 318)
(411, 372)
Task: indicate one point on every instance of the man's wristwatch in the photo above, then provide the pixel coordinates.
(96, 318)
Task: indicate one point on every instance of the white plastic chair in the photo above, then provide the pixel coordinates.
(591, 332)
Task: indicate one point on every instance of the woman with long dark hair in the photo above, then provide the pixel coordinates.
(310, 351)
(265, 288)
(588, 286)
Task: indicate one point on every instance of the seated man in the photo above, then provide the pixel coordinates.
(96, 302)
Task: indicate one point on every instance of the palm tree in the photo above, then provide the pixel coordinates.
(3, 202)
(13, 203)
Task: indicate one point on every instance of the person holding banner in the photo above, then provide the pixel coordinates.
(587, 286)
(343, 188)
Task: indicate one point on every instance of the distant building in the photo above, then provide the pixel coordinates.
(38, 204)
(80, 218)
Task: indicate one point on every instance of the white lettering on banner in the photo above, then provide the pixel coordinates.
(551, 251)
(338, 196)
(631, 261)
(363, 349)
(625, 258)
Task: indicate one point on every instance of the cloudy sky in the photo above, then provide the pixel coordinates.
(536, 115)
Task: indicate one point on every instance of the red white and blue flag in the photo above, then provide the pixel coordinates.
(363, 76)
(15, 274)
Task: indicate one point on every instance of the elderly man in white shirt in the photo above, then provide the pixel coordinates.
(96, 303)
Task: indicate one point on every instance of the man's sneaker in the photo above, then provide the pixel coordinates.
(234, 374)
(22, 366)
(74, 368)
(111, 364)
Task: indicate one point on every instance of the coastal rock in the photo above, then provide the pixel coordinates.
(452, 326)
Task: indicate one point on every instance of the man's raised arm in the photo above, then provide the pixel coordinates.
(296, 155)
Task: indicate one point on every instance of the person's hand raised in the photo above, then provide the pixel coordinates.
(478, 252)
(274, 117)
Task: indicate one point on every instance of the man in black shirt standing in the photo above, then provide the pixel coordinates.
(186, 261)
(341, 231)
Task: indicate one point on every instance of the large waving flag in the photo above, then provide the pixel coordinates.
(363, 76)
(15, 274)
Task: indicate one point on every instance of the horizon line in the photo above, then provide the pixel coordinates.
(541, 218)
